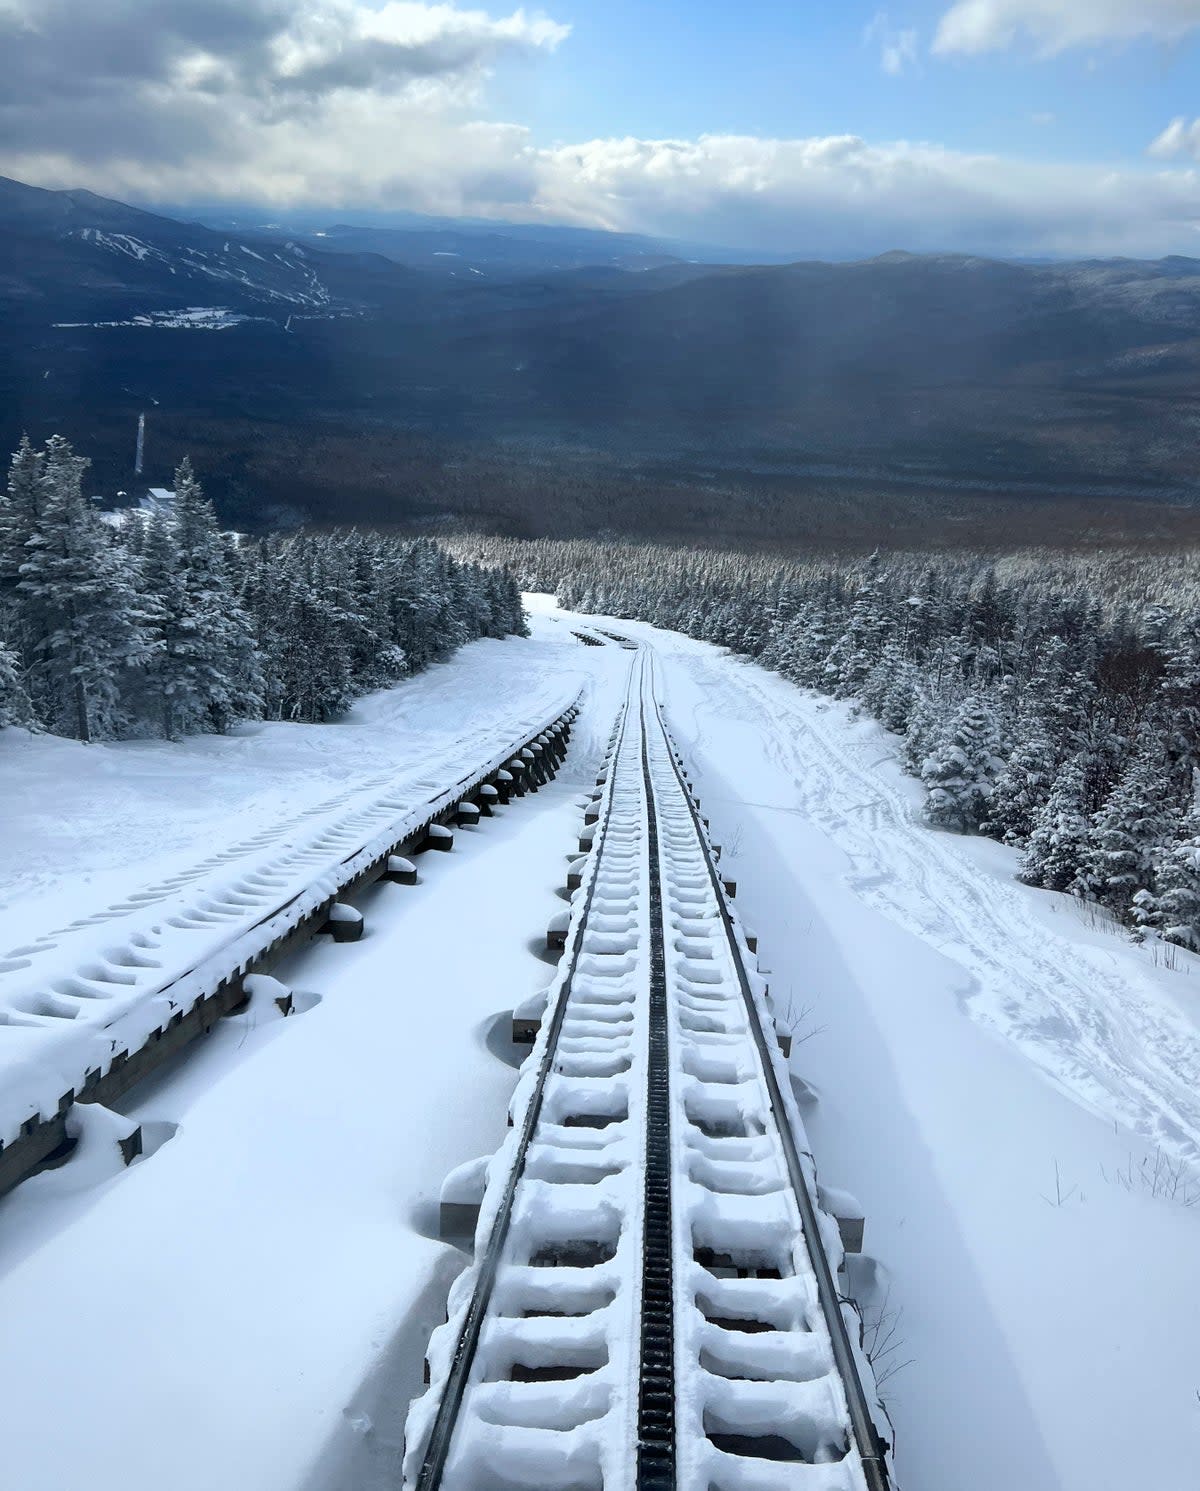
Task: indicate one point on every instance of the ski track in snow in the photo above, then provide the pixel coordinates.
(1088, 1020)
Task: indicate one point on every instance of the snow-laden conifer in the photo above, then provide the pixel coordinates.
(960, 770)
(82, 627)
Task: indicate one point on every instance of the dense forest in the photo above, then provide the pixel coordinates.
(159, 624)
(1047, 701)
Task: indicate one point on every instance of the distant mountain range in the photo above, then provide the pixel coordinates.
(606, 352)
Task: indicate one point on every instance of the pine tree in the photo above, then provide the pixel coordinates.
(20, 510)
(215, 637)
(960, 771)
(1173, 907)
(79, 613)
(1123, 849)
(170, 667)
(1058, 843)
(14, 703)
(890, 689)
(857, 649)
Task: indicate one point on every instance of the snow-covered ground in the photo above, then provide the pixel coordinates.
(194, 318)
(78, 992)
(1007, 1085)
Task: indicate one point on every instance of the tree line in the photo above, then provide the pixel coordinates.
(158, 623)
(1048, 702)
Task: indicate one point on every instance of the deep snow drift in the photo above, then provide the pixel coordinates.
(1007, 1085)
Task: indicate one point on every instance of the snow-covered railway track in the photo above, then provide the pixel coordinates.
(653, 1302)
(98, 1027)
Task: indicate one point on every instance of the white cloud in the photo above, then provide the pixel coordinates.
(836, 196)
(843, 195)
(134, 87)
(1181, 137)
(1053, 26)
(897, 48)
(338, 104)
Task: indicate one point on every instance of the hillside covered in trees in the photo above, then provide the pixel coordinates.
(1048, 702)
(160, 624)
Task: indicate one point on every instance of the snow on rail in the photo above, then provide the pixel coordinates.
(549, 1373)
(76, 1001)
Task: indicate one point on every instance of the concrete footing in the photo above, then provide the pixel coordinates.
(527, 1019)
(345, 923)
(438, 836)
(847, 1213)
(556, 932)
(461, 1198)
(400, 871)
(131, 1145)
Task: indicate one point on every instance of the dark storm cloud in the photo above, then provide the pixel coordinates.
(50, 49)
(376, 63)
(170, 79)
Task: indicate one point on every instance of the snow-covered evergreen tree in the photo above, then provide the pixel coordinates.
(960, 770)
(1173, 907)
(166, 625)
(225, 685)
(1123, 849)
(1058, 842)
(14, 703)
(80, 621)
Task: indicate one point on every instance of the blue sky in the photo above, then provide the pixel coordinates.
(761, 67)
(1024, 127)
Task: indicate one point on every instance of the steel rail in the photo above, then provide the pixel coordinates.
(656, 1381)
(870, 1447)
(441, 1435)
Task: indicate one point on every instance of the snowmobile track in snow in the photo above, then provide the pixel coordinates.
(653, 1302)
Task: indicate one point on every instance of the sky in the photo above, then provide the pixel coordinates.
(815, 128)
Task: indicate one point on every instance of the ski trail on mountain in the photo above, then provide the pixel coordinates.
(1085, 1016)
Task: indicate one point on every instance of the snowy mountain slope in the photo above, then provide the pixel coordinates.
(982, 1066)
(78, 989)
(1032, 1244)
(72, 249)
(298, 1199)
(298, 1196)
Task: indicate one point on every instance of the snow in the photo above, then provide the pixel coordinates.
(297, 1199)
(582, 1189)
(84, 981)
(191, 318)
(998, 1078)
(121, 243)
(1006, 1085)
